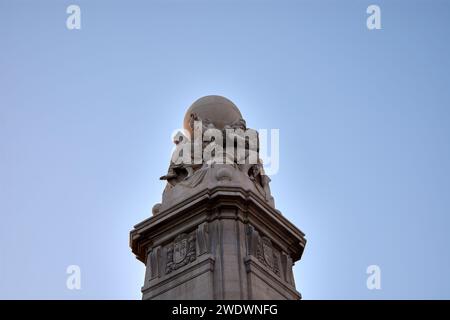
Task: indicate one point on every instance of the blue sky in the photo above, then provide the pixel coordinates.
(86, 118)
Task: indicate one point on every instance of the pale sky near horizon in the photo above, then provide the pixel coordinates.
(86, 118)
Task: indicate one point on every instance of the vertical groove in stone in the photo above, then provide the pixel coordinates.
(222, 289)
(240, 260)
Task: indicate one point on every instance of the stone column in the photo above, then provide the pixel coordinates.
(221, 243)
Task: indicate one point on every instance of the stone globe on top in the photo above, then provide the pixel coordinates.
(218, 110)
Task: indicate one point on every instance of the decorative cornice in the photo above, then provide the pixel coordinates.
(198, 209)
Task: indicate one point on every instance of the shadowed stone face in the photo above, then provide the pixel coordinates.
(218, 110)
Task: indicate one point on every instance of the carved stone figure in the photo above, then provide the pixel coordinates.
(262, 248)
(218, 135)
(178, 170)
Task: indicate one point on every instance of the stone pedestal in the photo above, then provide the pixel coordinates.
(219, 239)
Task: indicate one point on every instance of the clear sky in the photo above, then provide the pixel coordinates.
(86, 118)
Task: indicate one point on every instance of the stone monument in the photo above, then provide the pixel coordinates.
(216, 233)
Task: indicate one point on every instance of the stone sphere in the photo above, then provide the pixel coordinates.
(218, 110)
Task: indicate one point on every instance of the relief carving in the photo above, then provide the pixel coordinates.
(181, 252)
(287, 263)
(263, 250)
(252, 241)
(202, 239)
(267, 251)
(153, 263)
